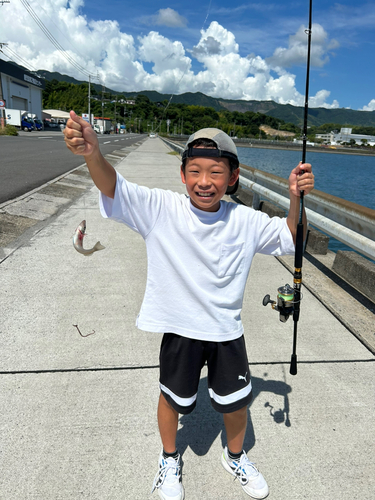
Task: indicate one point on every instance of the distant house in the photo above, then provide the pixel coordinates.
(345, 135)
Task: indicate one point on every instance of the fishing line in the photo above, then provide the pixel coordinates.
(208, 12)
(184, 73)
(170, 99)
(157, 367)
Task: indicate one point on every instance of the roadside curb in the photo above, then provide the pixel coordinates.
(23, 217)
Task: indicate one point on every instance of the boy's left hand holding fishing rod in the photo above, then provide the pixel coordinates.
(301, 178)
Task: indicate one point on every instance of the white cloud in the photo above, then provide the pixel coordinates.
(296, 53)
(225, 40)
(319, 100)
(169, 17)
(370, 106)
(121, 61)
(165, 17)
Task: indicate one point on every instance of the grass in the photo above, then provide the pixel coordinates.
(8, 130)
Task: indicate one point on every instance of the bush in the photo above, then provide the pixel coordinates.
(8, 130)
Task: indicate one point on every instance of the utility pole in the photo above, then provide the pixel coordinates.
(115, 116)
(102, 130)
(1, 87)
(2, 111)
(90, 99)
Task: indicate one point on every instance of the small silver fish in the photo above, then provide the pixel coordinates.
(79, 234)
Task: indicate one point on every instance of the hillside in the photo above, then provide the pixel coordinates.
(294, 114)
(285, 112)
(272, 132)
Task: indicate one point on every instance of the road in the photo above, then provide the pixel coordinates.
(32, 159)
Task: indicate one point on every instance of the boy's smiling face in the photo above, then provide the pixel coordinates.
(206, 181)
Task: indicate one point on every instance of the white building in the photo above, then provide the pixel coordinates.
(345, 135)
(56, 115)
(20, 89)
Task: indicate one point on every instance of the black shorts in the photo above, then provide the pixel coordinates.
(181, 362)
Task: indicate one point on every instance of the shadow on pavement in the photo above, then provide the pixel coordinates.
(201, 427)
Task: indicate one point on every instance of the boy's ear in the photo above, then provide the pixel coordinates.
(234, 177)
(182, 173)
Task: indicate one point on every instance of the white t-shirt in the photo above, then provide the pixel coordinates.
(198, 262)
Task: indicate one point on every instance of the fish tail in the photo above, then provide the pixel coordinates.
(98, 246)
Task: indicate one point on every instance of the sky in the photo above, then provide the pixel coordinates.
(248, 50)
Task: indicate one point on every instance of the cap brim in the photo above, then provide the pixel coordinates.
(232, 189)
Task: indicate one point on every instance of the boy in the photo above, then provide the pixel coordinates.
(199, 252)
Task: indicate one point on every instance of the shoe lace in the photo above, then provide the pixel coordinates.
(244, 469)
(168, 467)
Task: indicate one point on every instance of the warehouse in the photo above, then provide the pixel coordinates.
(20, 89)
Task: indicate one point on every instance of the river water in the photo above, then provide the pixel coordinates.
(351, 177)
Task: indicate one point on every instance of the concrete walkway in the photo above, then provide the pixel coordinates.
(78, 414)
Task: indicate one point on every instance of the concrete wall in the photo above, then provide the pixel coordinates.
(357, 271)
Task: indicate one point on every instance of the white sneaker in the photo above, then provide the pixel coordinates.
(168, 479)
(252, 481)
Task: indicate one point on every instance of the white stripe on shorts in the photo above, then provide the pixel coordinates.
(231, 398)
(180, 401)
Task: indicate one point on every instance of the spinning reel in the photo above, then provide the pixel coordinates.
(285, 304)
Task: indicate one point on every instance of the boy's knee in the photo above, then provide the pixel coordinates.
(164, 403)
(237, 413)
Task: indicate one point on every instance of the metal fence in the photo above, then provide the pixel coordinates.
(352, 224)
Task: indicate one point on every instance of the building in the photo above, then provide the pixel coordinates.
(20, 89)
(55, 115)
(345, 136)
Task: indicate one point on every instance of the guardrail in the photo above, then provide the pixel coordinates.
(352, 224)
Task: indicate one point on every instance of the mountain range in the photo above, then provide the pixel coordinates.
(286, 112)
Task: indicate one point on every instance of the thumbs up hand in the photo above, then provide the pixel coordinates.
(80, 137)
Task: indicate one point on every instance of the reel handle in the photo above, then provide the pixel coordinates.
(267, 300)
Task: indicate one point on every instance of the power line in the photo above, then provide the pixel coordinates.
(187, 67)
(53, 40)
(58, 29)
(13, 55)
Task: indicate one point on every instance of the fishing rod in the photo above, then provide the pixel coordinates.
(288, 298)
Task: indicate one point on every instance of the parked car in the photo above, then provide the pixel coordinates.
(38, 124)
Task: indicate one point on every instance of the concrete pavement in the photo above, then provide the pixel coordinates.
(78, 414)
